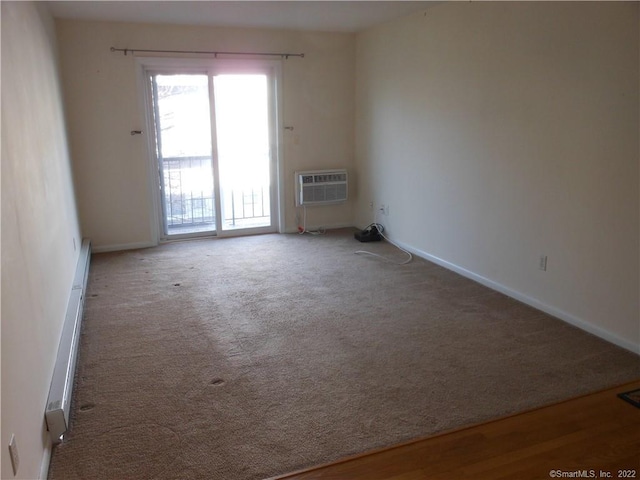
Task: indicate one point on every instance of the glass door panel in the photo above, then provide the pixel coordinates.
(243, 150)
(183, 147)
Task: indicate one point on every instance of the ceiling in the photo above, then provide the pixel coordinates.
(335, 16)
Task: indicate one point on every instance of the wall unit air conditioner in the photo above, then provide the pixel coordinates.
(321, 187)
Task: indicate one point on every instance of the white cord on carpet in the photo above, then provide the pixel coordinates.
(380, 228)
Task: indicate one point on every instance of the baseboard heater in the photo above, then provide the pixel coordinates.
(59, 401)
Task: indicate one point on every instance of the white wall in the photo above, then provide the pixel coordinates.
(498, 132)
(39, 228)
(101, 93)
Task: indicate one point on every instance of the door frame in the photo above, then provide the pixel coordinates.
(208, 66)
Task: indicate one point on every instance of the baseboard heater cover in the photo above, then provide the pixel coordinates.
(57, 414)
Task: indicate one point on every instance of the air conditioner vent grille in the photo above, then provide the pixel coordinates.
(321, 187)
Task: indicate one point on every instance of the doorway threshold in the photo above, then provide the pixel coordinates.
(190, 229)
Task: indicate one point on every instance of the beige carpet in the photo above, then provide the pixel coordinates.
(250, 357)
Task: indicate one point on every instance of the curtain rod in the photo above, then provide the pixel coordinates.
(133, 50)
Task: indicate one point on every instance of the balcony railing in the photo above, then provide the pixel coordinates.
(189, 197)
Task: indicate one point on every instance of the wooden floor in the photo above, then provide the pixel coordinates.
(598, 433)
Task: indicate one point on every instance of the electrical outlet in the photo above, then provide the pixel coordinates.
(13, 453)
(542, 263)
(370, 205)
(384, 209)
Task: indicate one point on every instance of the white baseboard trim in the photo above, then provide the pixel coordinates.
(532, 302)
(122, 246)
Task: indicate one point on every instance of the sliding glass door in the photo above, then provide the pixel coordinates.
(214, 136)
